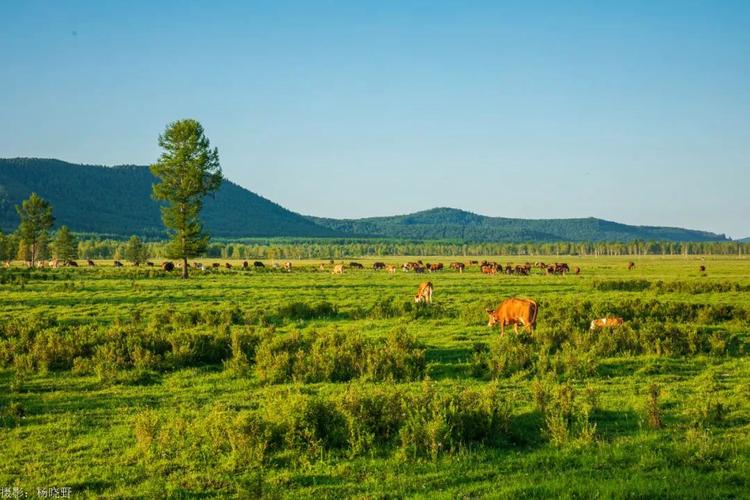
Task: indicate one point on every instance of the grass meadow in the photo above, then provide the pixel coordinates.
(131, 382)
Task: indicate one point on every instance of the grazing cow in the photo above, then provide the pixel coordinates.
(489, 269)
(71, 263)
(577, 270)
(53, 263)
(216, 265)
(703, 269)
(167, 266)
(473, 262)
(436, 267)
(411, 266)
(391, 268)
(338, 269)
(522, 270)
(322, 267)
(245, 264)
(424, 294)
(228, 265)
(458, 266)
(356, 265)
(258, 263)
(199, 266)
(419, 270)
(514, 311)
(288, 266)
(631, 265)
(117, 263)
(90, 263)
(150, 264)
(378, 266)
(611, 322)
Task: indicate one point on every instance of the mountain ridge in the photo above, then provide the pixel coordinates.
(117, 200)
(468, 226)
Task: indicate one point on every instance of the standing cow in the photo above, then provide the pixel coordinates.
(514, 311)
(424, 294)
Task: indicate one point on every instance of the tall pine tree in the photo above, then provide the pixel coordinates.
(188, 170)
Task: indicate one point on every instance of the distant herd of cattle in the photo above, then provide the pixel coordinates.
(487, 267)
(513, 311)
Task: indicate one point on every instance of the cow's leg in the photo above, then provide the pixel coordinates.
(515, 328)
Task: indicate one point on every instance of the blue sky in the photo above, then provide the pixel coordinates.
(637, 112)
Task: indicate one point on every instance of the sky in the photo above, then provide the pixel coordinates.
(637, 112)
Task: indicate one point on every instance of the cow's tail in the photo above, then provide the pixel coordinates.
(534, 313)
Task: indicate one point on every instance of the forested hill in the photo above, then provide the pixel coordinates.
(452, 224)
(117, 201)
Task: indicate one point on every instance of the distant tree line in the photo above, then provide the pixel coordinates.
(136, 250)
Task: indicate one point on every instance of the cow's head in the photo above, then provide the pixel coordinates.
(493, 318)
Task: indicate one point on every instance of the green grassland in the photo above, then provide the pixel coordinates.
(134, 383)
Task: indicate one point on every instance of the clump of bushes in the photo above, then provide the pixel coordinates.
(659, 286)
(426, 423)
(334, 356)
(567, 416)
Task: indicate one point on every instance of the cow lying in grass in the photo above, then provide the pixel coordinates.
(599, 324)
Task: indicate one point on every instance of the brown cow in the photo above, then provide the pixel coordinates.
(512, 312)
(245, 264)
(489, 269)
(610, 322)
(631, 265)
(576, 270)
(167, 266)
(424, 294)
(150, 264)
(356, 265)
(258, 263)
(216, 265)
(118, 263)
(228, 265)
(458, 266)
(90, 263)
(703, 269)
(378, 266)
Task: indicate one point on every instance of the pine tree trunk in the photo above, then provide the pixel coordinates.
(184, 268)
